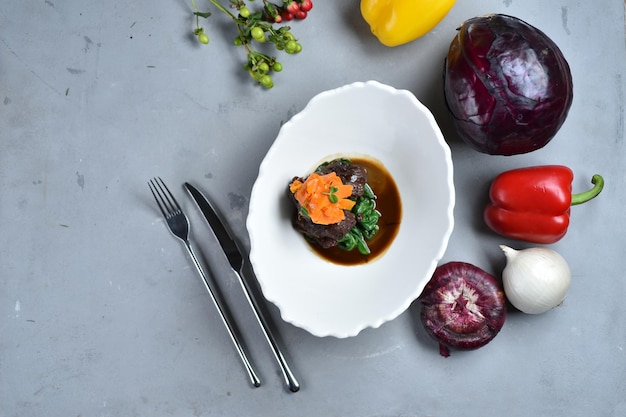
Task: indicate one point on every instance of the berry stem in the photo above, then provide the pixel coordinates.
(223, 9)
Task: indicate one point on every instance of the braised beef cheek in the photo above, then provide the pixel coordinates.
(327, 236)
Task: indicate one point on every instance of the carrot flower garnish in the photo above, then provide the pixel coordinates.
(323, 198)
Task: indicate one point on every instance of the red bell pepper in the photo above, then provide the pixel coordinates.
(533, 204)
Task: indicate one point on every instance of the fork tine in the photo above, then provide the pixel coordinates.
(152, 184)
(170, 198)
(166, 201)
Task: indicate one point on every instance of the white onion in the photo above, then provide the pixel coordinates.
(535, 279)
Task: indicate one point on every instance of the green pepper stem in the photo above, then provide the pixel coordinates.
(598, 184)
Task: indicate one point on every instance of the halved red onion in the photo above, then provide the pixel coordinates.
(463, 307)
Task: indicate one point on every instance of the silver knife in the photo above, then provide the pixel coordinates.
(236, 259)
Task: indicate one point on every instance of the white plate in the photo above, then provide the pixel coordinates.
(367, 119)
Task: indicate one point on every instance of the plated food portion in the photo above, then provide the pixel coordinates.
(336, 210)
(409, 170)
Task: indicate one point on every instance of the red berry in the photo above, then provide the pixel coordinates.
(306, 5)
(278, 18)
(287, 16)
(292, 7)
(300, 14)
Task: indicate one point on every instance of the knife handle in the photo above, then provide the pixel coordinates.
(290, 379)
(254, 379)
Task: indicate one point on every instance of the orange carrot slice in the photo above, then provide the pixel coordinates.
(324, 197)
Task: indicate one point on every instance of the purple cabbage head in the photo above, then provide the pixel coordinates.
(507, 85)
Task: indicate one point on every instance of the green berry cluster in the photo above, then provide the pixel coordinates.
(254, 29)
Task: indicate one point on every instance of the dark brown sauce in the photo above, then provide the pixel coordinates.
(387, 203)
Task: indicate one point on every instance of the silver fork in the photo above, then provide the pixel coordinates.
(179, 226)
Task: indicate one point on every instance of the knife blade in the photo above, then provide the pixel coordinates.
(223, 235)
(236, 259)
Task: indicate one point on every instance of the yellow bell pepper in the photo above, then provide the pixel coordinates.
(396, 22)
